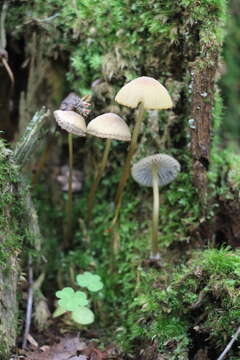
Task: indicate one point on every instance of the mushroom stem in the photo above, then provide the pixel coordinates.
(126, 168)
(155, 218)
(116, 239)
(97, 179)
(69, 200)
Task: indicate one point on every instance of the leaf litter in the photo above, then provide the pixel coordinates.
(68, 348)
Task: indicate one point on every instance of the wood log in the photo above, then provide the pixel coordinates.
(18, 221)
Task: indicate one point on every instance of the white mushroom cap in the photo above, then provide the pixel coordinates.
(110, 126)
(167, 166)
(146, 90)
(71, 122)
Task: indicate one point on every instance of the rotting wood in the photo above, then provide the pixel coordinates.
(203, 87)
(33, 133)
(9, 278)
(38, 67)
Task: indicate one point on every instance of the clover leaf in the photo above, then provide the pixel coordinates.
(58, 312)
(64, 293)
(71, 300)
(90, 281)
(83, 315)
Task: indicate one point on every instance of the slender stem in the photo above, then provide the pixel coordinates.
(29, 303)
(9, 71)
(97, 179)
(3, 37)
(126, 168)
(69, 200)
(230, 344)
(155, 218)
(116, 239)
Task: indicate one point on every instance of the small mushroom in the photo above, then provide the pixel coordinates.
(73, 123)
(144, 93)
(70, 121)
(154, 171)
(109, 126)
(144, 90)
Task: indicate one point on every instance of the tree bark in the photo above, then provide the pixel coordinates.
(203, 88)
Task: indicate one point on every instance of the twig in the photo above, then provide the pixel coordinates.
(229, 345)
(9, 71)
(29, 303)
(3, 43)
(3, 38)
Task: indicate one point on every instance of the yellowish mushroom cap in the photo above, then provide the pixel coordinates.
(146, 90)
(71, 122)
(110, 126)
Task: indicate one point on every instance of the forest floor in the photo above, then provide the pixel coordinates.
(54, 345)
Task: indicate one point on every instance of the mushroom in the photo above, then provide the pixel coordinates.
(144, 93)
(73, 123)
(154, 171)
(109, 126)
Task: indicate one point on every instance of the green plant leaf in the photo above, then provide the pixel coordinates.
(90, 281)
(83, 315)
(58, 312)
(64, 293)
(70, 300)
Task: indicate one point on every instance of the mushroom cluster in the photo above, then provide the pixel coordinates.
(109, 126)
(143, 93)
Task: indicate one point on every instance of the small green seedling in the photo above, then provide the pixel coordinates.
(76, 302)
(90, 281)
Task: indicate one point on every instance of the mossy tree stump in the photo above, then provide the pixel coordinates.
(18, 221)
(12, 234)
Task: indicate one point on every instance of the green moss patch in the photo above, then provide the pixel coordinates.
(202, 299)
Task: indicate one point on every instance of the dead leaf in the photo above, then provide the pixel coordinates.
(67, 349)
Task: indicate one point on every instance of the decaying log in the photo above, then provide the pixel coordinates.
(18, 219)
(11, 233)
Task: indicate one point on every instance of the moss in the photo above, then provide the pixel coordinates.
(12, 233)
(111, 28)
(224, 175)
(230, 79)
(11, 207)
(201, 299)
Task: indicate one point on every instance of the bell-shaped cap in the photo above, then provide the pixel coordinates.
(167, 169)
(110, 126)
(146, 90)
(71, 122)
